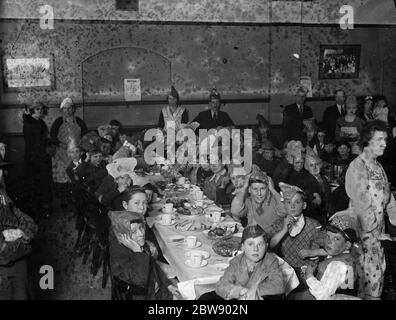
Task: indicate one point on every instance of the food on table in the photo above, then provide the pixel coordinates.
(219, 231)
(226, 247)
(177, 202)
(184, 211)
(191, 226)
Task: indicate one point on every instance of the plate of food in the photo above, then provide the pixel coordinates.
(223, 230)
(226, 247)
(191, 225)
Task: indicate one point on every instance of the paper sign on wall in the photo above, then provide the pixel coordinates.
(132, 90)
(306, 82)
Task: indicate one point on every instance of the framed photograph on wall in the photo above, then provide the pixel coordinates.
(339, 61)
(28, 73)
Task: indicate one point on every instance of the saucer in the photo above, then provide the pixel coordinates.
(188, 264)
(174, 211)
(176, 239)
(197, 245)
(209, 218)
(203, 253)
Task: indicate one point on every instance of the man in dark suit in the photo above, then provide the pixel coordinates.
(213, 117)
(293, 116)
(332, 113)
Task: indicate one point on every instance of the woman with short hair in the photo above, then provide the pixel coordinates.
(173, 112)
(66, 129)
(368, 189)
(37, 162)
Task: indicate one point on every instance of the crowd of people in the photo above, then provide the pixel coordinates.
(319, 197)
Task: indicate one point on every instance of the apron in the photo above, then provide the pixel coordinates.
(176, 116)
(68, 131)
(371, 261)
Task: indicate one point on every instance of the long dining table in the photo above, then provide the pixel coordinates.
(193, 282)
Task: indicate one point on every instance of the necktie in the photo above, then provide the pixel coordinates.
(342, 110)
(301, 109)
(215, 116)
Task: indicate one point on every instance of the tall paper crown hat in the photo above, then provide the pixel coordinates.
(173, 92)
(66, 102)
(311, 156)
(288, 191)
(344, 223)
(214, 94)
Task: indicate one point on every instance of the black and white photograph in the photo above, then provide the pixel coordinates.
(195, 156)
(339, 61)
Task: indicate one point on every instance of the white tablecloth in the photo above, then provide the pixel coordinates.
(196, 281)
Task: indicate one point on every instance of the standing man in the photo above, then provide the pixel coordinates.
(293, 116)
(213, 117)
(332, 113)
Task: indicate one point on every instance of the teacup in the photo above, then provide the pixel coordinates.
(166, 218)
(199, 203)
(216, 216)
(199, 194)
(191, 241)
(168, 208)
(181, 180)
(196, 259)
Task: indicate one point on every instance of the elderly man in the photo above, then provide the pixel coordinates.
(293, 116)
(213, 117)
(333, 112)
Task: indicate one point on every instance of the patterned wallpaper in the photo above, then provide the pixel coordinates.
(238, 60)
(257, 11)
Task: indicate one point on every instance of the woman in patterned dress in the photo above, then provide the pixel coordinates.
(368, 189)
(67, 129)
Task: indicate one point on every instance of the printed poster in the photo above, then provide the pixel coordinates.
(132, 90)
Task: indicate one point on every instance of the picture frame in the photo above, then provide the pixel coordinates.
(28, 73)
(339, 61)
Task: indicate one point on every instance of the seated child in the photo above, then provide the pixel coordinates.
(105, 148)
(150, 190)
(215, 187)
(135, 272)
(75, 153)
(320, 145)
(285, 167)
(265, 159)
(298, 176)
(254, 274)
(117, 181)
(334, 277)
(298, 232)
(92, 172)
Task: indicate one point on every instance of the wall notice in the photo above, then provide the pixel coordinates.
(132, 90)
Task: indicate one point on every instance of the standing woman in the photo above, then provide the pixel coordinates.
(368, 190)
(173, 112)
(37, 162)
(65, 130)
